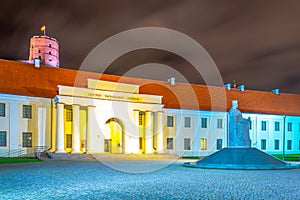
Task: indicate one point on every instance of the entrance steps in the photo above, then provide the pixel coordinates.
(110, 156)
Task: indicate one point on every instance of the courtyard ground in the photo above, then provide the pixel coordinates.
(92, 179)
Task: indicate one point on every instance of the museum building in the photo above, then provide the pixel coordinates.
(70, 111)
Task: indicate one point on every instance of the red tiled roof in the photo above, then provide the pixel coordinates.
(25, 79)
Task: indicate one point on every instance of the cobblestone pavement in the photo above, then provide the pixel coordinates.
(93, 180)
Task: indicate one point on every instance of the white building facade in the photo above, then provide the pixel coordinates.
(110, 117)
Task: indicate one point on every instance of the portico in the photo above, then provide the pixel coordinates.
(108, 117)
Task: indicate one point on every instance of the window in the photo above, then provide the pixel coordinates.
(299, 144)
(263, 125)
(107, 145)
(170, 121)
(39, 51)
(219, 144)
(263, 144)
(141, 118)
(219, 123)
(3, 139)
(69, 141)
(277, 126)
(27, 139)
(289, 145)
(170, 143)
(49, 52)
(27, 111)
(187, 122)
(299, 127)
(187, 144)
(141, 142)
(250, 125)
(69, 115)
(290, 126)
(203, 144)
(2, 109)
(203, 122)
(276, 144)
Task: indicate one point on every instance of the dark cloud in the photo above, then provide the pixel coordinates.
(253, 42)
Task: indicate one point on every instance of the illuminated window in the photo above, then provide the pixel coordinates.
(219, 123)
(141, 118)
(289, 145)
(276, 144)
(27, 139)
(203, 144)
(141, 142)
(277, 126)
(69, 141)
(203, 122)
(187, 122)
(27, 111)
(2, 109)
(69, 115)
(263, 125)
(263, 144)
(170, 144)
(3, 139)
(170, 121)
(219, 144)
(290, 126)
(187, 144)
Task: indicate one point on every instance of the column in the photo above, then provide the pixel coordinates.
(75, 129)
(134, 138)
(148, 132)
(160, 132)
(60, 129)
(89, 124)
(41, 127)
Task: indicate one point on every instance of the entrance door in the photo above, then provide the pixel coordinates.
(114, 137)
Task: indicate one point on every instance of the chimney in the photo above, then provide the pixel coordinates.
(275, 91)
(227, 86)
(172, 81)
(241, 87)
(37, 62)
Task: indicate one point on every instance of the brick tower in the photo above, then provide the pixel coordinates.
(46, 49)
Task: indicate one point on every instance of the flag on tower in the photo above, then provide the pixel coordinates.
(43, 29)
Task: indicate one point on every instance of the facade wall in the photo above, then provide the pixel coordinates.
(203, 138)
(267, 139)
(37, 127)
(137, 128)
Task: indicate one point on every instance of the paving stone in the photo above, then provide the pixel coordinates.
(91, 179)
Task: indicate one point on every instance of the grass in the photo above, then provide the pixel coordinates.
(288, 157)
(193, 157)
(17, 160)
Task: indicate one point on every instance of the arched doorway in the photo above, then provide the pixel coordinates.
(114, 136)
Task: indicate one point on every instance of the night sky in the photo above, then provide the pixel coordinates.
(256, 43)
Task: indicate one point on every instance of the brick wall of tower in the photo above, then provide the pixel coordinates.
(45, 48)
